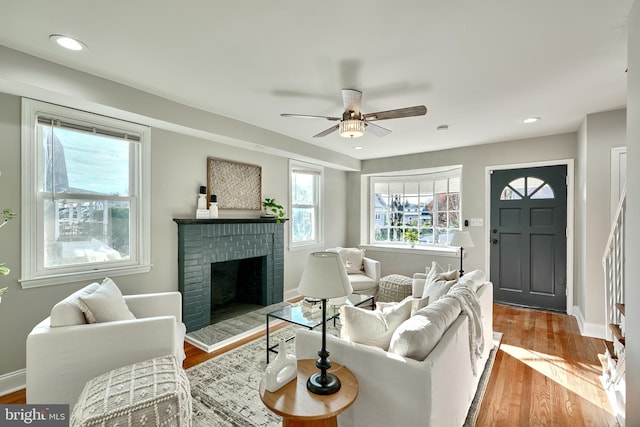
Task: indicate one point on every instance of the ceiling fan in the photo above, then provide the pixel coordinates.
(353, 122)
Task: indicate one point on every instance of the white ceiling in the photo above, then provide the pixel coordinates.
(479, 66)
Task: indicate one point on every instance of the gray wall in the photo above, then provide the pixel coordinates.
(598, 134)
(632, 272)
(178, 164)
(474, 161)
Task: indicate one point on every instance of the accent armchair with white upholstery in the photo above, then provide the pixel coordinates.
(363, 272)
(64, 352)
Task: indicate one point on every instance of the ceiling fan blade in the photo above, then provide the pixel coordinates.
(377, 130)
(419, 110)
(310, 116)
(327, 132)
(351, 99)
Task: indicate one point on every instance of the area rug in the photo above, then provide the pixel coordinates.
(225, 388)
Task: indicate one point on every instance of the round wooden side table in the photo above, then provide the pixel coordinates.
(299, 407)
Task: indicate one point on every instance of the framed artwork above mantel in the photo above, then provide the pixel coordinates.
(236, 185)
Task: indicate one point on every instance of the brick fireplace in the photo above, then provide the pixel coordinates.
(204, 242)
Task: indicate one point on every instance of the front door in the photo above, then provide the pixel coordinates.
(528, 251)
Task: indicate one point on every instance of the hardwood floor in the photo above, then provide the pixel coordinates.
(545, 374)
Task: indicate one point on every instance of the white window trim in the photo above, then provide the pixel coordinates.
(402, 176)
(319, 242)
(30, 277)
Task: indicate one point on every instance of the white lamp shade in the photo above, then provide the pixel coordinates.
(462, 239)
(324, 276)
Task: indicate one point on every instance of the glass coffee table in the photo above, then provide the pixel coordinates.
(311, 317)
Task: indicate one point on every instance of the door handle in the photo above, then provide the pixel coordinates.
(494, 241)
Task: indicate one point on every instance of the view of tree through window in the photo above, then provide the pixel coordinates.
(423, 209)
(305, 203)
(85, 196)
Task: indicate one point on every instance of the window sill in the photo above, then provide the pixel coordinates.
(443, 251)
(57, 279)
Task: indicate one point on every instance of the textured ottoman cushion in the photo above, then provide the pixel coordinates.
(155, 392)
(394, 287)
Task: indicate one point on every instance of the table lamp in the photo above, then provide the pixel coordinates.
(463, 240)
(324, 277)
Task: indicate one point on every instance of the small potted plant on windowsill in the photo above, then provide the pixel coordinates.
(411, 236)
(273, 209)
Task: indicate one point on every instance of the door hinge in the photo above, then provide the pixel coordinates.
(566, 180)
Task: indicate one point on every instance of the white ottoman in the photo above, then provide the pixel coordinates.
(155, 392)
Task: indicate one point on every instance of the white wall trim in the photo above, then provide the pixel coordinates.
(618, 174)
(570, 215)
(13, 381)
(595, 330)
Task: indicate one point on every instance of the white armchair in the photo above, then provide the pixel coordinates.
(62, 355)
(363, 272)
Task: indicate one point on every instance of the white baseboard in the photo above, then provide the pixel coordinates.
(291, 294)
(588, 329)
(13, 381)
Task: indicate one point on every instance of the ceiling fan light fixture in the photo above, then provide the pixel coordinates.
(351, 128)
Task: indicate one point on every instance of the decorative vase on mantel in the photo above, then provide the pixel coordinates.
(283, 369)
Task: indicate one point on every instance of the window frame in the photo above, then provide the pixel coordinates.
(32, 236)
(296, 165)
(448, 172)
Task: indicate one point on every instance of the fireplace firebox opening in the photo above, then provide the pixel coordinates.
(236, 287)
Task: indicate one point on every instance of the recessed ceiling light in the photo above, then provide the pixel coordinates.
(358, 147)
(531, 120)
(68, 42)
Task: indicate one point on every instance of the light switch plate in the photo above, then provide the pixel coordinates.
(476, 222)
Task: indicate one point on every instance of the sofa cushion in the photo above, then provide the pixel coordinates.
(417, 336)
(473, 279)
(68, 312)
(416, 304)
(361, 282)
(106, 304)
(438, 283)
(372, 327)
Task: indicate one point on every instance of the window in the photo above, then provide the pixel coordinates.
(85, 193)
(527, 187)
(306, 182)
(422, 209)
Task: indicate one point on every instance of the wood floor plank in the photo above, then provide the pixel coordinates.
(545, 373)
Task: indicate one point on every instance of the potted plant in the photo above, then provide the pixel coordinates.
(411, 236)
(6, 215)
(273, 209)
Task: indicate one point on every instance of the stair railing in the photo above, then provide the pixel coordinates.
(613, 263)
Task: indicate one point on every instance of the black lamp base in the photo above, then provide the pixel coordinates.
(317, 386)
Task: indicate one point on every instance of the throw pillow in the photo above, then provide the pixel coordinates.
(438, 284)
(372, 327)
(417, 337)
(352, 259)
(474, 279)
(68, 312)
(106, 304)
(416, 304)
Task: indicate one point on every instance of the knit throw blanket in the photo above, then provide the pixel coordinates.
(471, 307)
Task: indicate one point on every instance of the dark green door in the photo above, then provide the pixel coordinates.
(528, 250)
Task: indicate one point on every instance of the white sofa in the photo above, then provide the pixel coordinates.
(63, 356)
(400, 391)
(363, 272)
